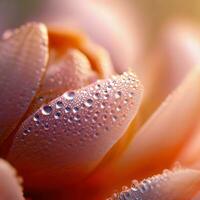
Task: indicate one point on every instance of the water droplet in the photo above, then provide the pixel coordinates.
(75, 109)
(59, 104)
(118, 94)
(57, 115)
(114, 118)
(118, 108)
(36, 118)
(88, 103)
(69, 95)
(67, 109)
(46, 126)
(103, 105)
(104, 117)
(77, 117)
(98, 86)
(96, 95)
(46, 110)
(131, 94)
(125, 101)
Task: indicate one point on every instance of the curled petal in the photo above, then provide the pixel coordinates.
(9, 185)
(72, 71)
(113, 25)
(22, 63)
(99, 58)
(160, 140)
(70, 136)
(171, 185)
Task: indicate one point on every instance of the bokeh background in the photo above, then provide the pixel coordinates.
(143, 19)
(155, 12)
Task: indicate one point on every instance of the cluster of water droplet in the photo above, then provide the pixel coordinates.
(146, 189)
(83, 116)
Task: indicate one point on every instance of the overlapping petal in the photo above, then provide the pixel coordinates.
(171, 185)
(69, 136)
(23, 58)
(157, 143)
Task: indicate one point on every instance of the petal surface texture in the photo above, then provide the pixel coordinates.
(161, 139)
(72, 71)
(10, 188)
(70, 136)
(171, 185)
(23, 58)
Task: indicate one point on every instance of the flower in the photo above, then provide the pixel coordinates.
(69, 126)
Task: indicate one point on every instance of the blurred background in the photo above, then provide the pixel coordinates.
(138, 20)
(155, 12)
(111, 23)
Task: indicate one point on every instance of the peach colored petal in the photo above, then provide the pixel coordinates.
(189, 156)
(66, 139)
(197, 196)
(181, 45)
(72, 71)
(22, 63)
(171, 185)
(114, 25)
(175, 52)
(61, 39)
(160, 140)
(10, 188)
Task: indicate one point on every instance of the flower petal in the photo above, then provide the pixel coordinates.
(100, 61)
(9, 185)
(72, 71)
(71, 135)
(189, 156)
(22, 63)
(114, 25)
(175, 53)
(159, 141)
(171, 185)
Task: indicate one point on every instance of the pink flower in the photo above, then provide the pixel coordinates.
(74, 128)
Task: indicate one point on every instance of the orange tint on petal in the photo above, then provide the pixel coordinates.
(159, 141)
(170, 185)
(98, 57)
(156, 145)
(190, 155)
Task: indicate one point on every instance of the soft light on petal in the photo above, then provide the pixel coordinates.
(71, 135)
(171, 185)
(72, 71)
(23, 58)
(160, 140)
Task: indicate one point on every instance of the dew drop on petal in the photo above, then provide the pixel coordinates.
(59, 104)
(118, 94)
(88, 103)
(57, 115)
(69, 95)
(96, 95)
(36, 118)
(46, 110)
(75, 109)
(67, 109)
